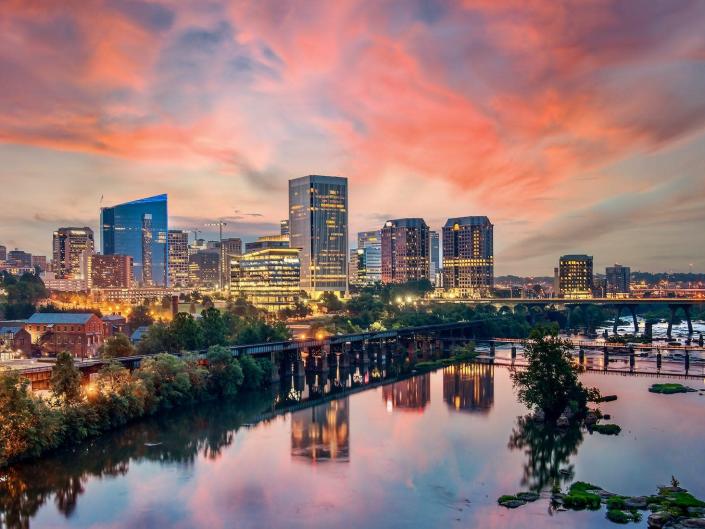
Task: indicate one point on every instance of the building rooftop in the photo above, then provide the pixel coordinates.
(468, 221)
(10, 329)
(50, 318)
(576, 257)
(407, 223)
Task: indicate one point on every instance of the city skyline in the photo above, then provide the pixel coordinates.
(522, 117)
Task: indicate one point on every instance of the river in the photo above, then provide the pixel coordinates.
(434, 450)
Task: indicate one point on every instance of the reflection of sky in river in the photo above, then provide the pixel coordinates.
(441, 465)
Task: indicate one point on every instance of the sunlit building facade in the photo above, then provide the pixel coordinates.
(468, 256)
(318, 226)
(269, 278)
(404, 252)
(575, 276)
(139, 229)
(178, 259)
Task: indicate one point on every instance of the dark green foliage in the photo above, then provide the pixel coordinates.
(214, 327)
(607, 429)
(188, 334)
(66, 379)
(580, 496)
(226, 375)
(331, 302)
(616, 502)
(117, 346)
(618, 516)
(252, 372)
(140, 317)
(22, 295)
(670, 388)
(550, 381)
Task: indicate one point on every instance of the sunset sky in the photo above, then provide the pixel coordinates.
(576, 126)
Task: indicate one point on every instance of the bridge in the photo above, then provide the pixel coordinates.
(618, 304)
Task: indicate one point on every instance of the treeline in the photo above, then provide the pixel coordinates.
(32, 426)
(21, 295)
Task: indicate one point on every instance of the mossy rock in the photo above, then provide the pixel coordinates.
(510, 502)
(528, 496)
(607, 429)
(581, 496)
(616, 502)
(618, 516)
(670, 388)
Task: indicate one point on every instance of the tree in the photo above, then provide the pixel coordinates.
(186, 332)
(167, 378)
(112, 378)
(66, 379)
(140, 317)
(225, 373)
(550, 381)
(331, 302)
(213, 326)
(158, 339)
(117, 346)
(252, 372)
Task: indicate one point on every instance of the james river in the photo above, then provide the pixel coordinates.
(435, 450)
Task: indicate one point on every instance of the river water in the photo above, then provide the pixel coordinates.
(434, 450)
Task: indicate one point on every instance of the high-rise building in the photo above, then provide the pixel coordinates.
(284, 227)
(71, 248)
(40, 261)
(139, 229)
(575, 276)
(468, 256)
(204, 269)
(618, 281)
(371, 244)
(110, 271)
(178, 258)
(3, 253)
(269, 278)
(318, 226)
(19, 258)
(434, 257)
(229, 248)
(267, 241)
(405, 246)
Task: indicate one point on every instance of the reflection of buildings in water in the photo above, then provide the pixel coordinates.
(411, 394)
(321, 433)
(469, 387)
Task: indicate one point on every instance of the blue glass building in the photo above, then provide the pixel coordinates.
(139, 229)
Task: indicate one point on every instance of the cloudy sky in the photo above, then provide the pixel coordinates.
(576, 126)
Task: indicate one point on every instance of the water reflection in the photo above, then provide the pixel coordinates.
(412, 394)
(548, 451)
(469, 387)
(322, 433)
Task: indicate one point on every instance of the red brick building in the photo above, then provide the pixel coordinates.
(81, 334)
(15, 339)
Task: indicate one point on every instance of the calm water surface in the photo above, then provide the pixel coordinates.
(431, 451)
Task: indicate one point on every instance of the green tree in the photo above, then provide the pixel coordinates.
(214, 328)
(550, 381)
(167, 380)
(117, 346)
(140, 317)
(331, 302)
(112, 378)
(252, 372)
(225, 373)
(187, 332)
(66, 379)
(158, 339)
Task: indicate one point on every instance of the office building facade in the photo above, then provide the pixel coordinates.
(371, 244)
(269, 278)
(468, 256)
(618, 281)
(267, 241)
(404, 252)
(318, 226)
(72, 247)
(435, 256)
(575, 276)
(178, 259)
(139, 229)
(110, 271)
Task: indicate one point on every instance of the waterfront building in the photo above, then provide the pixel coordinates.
(267, 241)
(139, 229)
(404, 253)
(269, 278)
(575, 279)
(618, 281)
(110, 271)
(318, 226)
(81, 334)
(204, 269)
(468, 256)
(72, 247)
(178, 260)
(19, 259)
(434, 257)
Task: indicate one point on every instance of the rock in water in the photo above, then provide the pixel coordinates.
(658, 519)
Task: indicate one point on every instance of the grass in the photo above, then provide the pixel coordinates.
(670, 388)
(607, 429)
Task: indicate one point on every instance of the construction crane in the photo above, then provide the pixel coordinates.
(219, 224)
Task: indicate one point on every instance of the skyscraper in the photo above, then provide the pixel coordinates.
(618, 281)
(468, 256)
(405, 246)
(318, 226)
(229, 248)
(178, 258)
(434, 257)
(369, 243)
(72, 248)
(575, 276)
(3, 253)
(139, 229)
(110, 271)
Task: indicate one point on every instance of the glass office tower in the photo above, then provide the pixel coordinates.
(318, 226)
(139, 229)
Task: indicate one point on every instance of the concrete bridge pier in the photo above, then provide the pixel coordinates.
(605, 358)
(659, 360)
(617, 315)
(674, 308)
(687, 361)
(631, 358)
(581, 355)
(514, 352)
(648, 330)
(632, 310)
(492, 349)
